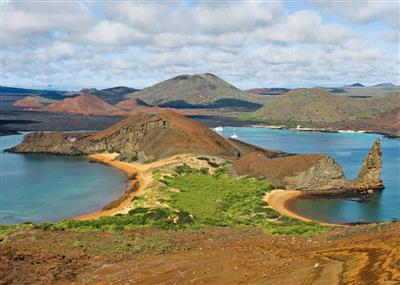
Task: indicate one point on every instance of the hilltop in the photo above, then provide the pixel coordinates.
(86, 104)
(312, 106)
(199, 90)
(158, 135)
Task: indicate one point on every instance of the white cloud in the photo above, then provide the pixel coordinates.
(304, 26)
(203, 17)
(364, 11)
(248, 43)
(112, 33)
(58, 51)
(32, 21)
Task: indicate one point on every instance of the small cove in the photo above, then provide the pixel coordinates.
(37, 187)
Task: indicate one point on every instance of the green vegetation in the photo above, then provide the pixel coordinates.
(192, 199)
(6, 229)
(313, 106)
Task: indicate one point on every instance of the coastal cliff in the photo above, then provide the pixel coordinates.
(314, 173)
(146, 137)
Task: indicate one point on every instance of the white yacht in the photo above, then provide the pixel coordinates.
(219, 129)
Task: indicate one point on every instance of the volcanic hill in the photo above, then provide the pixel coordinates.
(199, 90)
(312, 106)
(28, 103)
(151, 136)
(86, 104)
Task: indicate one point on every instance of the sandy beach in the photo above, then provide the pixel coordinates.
(280, 199)
(124, 204)
(143, 176)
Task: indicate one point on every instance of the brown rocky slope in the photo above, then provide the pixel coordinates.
(366, 254)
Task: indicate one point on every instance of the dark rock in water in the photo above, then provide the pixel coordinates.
(371, 168)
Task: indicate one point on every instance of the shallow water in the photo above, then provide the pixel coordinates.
(37, 187)
(349, 150)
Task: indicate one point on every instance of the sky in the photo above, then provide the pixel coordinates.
(71, 45)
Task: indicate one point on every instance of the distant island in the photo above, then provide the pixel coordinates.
(349, 107)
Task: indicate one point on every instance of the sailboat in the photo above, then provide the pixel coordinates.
(234, 136)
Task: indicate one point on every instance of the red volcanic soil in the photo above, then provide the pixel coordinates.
(28, 103)
(366, 254)
(86, 104)
(132, 104)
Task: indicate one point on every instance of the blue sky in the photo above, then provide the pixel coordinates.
(77, 44)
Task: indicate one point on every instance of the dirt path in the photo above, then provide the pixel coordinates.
(279, 200)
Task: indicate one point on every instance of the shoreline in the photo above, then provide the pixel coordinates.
(280, 199)
(387, 135)
(139, 177)
(134, 188)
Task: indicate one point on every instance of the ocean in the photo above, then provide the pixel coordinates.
(38, 187)
(348, 149)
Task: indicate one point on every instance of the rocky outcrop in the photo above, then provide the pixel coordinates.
(371, 169)
(308, 172)
(315, 174)
(53, 142)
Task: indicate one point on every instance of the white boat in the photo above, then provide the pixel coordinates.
(234, 136)
(219, 129)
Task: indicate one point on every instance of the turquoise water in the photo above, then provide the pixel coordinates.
(39, 188)
(349, 150)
